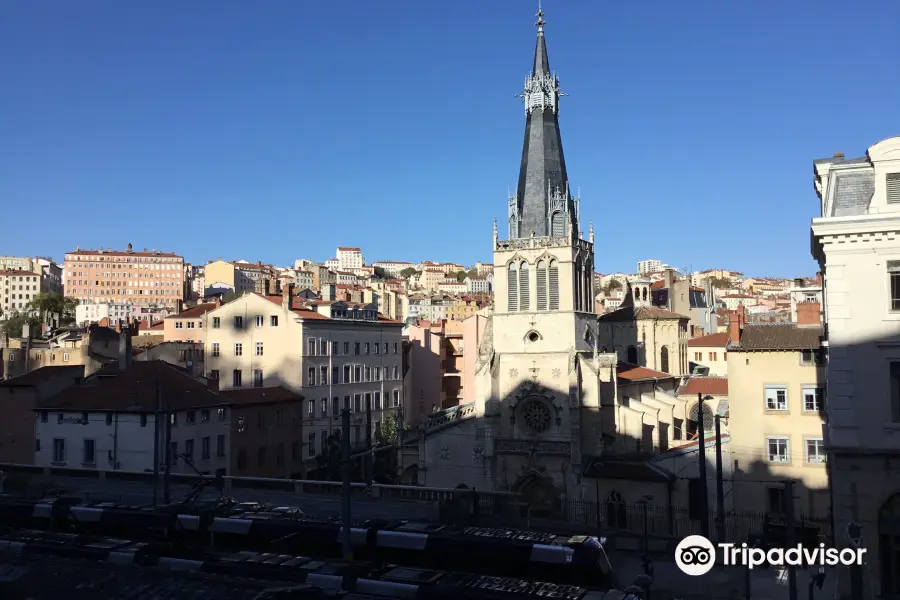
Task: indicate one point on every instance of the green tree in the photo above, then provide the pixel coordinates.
(472, 272)
(720, 283)
(13, 325)
(387, 465)
(382, 274)
(229, 296)
(461, 276)
(52, 305)
(328, 461)
(405, 273)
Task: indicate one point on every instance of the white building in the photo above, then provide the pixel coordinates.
(349, 258)
(645, 267)
(333, 264)
(856, 240)
(801, 293)
(93, 312)
(478, 285)
(17, 289)
(392, 267)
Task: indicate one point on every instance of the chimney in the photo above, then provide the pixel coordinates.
(838, 156)
(736, 320)
(178, 305)
(798, 282)
(124, 349)
(669, 280)
(218, 301)
(287, 296)
(809, 313)
(212, 385)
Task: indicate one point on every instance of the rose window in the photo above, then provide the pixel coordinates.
(536, 415)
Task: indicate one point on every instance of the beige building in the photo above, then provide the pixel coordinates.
(437, 373)
(188, 325)
(709, 351)
(349, 258)
(125, 277)
(645, 335)
(856, 243)
(776, 400)
(335, 354)
(240, 275)
(17, 290)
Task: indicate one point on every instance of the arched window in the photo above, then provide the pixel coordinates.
(616, 513)
(644, 294)
(588, 286)
(557, 224)
(512, 281)
(709, 422)
(664, 359)
(524, 296)
(554, 285)
(541, 282)
(578, 282)
(632, 355)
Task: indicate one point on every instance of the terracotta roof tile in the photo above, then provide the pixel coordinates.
(778, 336)
(632, 372)
(715, 386)
(194, 312)
(713, 340)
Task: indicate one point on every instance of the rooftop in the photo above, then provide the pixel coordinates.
(10, 272)
(778, 336)
(638, 313)
(44, 373)
(195, 311)
(713, 340)
(135, 390)
(632, 372)
(714, 386)
(110, 252)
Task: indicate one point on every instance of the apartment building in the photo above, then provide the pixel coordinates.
(147, 278)
(107, 422)
(393, 267)
(94, 312)
(188, 325)
(16, 263)
(17, 290)
(855, 241)
(334, 353)
(90, 348)
(776, 393)
(478, 284)
(241, 276)
(322, 276)
(51, 275)
(437, 373)
(451, 286)
(349, 258)
(651, 265)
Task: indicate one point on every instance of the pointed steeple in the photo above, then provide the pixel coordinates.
(543, 205)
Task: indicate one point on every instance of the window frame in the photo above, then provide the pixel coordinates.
(806, 454)
(774, 387)
(818, 397)
(787, 452)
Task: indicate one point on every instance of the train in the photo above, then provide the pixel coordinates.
(575, 560)
(384, 581)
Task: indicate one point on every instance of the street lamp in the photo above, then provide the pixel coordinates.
(645, 538)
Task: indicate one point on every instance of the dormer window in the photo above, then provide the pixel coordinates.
(892, 185)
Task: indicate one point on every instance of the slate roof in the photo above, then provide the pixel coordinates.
(715, 386)
(51, 578)
(34, 377)
(135, 389)
(853, 191)
(638, 313)
(778, 336)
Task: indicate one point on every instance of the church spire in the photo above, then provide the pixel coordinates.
(543, 205)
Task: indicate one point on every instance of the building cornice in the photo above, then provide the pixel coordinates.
(871, 223)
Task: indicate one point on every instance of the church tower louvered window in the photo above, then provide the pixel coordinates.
(554, 285)
(558, 224)
(541, 282)
(512, 287)
(524, 296)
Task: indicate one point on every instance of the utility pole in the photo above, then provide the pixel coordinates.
(167, 480)
(791, 535)
(368, 460)
(156, 435)
(346, 466)
(704, 500)
(720, 485)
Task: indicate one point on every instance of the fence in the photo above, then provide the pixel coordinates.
(620, 519)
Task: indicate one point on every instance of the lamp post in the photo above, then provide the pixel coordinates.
(645, 543)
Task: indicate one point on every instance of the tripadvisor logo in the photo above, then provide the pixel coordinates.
(695, 555)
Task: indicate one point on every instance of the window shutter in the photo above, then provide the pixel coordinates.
(893, 188)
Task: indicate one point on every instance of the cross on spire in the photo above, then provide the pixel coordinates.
(540, 19)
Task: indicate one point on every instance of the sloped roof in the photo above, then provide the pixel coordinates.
(639, 313)
(195, 311)
(632, 372)
(778, 336)
(38, 375)
(713, 340)
(715, 386)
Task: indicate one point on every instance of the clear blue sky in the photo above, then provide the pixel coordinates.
(279, 129)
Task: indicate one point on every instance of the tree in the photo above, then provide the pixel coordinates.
(51, 304)
(229, 296)
(381, 273)
(328, 461)
(408, 271)
(13, 325)
(472, 272)
(461, 276)
(720, 283)
(611, 286)
(387, 466)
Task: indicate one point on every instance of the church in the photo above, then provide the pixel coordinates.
(556, 388)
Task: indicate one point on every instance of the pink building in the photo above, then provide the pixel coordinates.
(437, 367)
(188, 325)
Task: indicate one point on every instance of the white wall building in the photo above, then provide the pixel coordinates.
(478, 285)
(856, 240)
(392, 267)
(93, 312)
(350, 258)
(651, 265)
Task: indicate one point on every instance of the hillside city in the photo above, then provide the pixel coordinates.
(570, 424)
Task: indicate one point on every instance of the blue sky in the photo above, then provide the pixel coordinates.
(280, 129)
